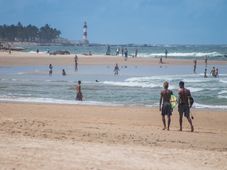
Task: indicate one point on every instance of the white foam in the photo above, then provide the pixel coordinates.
(222, 97)
(196, 80)
(192, 54)
(202, 106)
(223, 92)
(131, 84)
(54, 101)
(223, 81)
(21, 73)
(194, 89)
(40, 52)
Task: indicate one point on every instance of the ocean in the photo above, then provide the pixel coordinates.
(217, 52)
(134, 86)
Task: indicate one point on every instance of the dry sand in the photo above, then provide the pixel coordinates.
(47, 136)
(23, 58)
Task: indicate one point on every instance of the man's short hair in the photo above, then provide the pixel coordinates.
(181, 84)
(165, 84)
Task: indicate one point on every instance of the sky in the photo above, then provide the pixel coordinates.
(125, 21)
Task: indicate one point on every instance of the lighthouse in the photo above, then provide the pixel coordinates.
(85, 39)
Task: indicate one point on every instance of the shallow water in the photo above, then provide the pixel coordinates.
(135, 85)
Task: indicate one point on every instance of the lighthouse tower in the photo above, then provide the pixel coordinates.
(85, 39)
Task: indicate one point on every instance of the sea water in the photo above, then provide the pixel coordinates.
(217, 52)
(134, 86)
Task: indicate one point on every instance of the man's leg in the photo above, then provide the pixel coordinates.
(190, 122)
(169, 121)
(164, 122)
(180, 120)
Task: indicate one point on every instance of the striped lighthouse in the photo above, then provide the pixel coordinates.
(85, 39)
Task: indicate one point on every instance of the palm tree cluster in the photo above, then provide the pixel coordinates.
(29, 33)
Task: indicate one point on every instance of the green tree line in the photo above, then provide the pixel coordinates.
(29, 33)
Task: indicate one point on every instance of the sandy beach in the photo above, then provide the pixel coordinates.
(41, 136)
(57, 136)
(24, 58)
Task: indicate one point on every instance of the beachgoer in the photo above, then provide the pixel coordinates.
(79, 95)
(216, 72)
(126, 54)
(205, 60)
(50, 69)
(117, 51)
(205, 73)
(116, 69)
(122, 51)
(76, 62)
(184, 105)
(166, 53)
(37, 51)
(63, 72)
(136, 52)
(108, 50)
(212, 72)
(165, 105)
(195, 64)
(160, 60)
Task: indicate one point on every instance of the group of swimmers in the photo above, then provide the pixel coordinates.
(63, 70)
(184, 105)
(51, 70)
(214, 71)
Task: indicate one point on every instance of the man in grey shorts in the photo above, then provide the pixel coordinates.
(164, 104)
(184, 105)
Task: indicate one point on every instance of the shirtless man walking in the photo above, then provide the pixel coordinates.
(165, 105)
(184, 105)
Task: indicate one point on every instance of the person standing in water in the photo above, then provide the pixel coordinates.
(126, 54)
(79, 95)
(50, 69)
(63, 72)
(116, 69)
(76, 62)
(205, 73)
(195, 64)
(165, 105)
(184, 105)
(136, 52)
(216, 72)
(212, 72)
(205, 60)
(166, 53)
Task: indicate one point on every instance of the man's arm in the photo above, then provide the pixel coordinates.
(160, 102)
(189, 95)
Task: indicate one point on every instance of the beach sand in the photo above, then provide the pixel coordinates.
(51, 136)
(24, 58)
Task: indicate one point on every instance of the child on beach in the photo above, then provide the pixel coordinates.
(165, 105)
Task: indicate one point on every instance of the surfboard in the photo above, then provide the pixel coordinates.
(173, 101)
